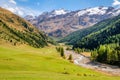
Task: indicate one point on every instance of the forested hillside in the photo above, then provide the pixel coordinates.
(107, 35)
(78, 35)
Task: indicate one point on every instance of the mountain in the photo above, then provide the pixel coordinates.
(105, 32)
(29, 17)
(60, 23)
(58, 12)
(16, 30)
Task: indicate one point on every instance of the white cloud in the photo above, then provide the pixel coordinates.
(12, 1)
(12, 6)
(116, 3)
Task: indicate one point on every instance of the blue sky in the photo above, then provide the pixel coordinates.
(47, 5)
(36, 7)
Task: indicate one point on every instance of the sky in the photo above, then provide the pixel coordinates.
(36, 7)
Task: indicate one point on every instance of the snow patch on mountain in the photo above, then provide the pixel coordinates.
(92, 11)
(97, 10)
(58, 12)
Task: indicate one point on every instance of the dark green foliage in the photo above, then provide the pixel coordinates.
(107, 54)
(62, 52)
(25, 24)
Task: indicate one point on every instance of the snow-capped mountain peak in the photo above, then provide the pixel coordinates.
(92, 11)
(59, 12)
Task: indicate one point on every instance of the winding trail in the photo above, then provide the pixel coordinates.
(84, 61)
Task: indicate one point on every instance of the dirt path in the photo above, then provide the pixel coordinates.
(87, 63)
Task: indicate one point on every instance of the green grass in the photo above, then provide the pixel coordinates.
(27, 63)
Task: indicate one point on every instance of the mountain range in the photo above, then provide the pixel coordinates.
(60, 23)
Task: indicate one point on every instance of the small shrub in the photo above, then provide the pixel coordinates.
(78, 74)
(65, 72)
(70, 57)
(84, 74)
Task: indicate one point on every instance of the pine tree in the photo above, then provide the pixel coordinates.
(62, 52)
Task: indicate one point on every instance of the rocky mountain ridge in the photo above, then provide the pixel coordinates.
(59, 23)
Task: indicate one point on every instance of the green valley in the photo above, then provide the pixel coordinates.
(28, 63)
(58, 45)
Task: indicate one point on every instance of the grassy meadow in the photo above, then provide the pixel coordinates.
(28, 63)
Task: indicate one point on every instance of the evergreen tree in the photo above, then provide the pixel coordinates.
(62, 52)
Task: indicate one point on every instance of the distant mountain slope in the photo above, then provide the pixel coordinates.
(105, 32)
(60, 23)
(78, 35)
(18, 31)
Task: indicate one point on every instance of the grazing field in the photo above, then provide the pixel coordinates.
(27, 63)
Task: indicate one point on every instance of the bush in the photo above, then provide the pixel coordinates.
(70, 57)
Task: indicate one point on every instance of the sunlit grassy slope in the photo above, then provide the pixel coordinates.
(27, 63)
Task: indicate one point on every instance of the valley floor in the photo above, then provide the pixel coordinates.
(84, 61)
(28, 63)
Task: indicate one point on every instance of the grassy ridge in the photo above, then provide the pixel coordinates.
(27, 63)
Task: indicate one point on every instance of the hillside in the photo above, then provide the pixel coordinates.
(17, 31)
(104, 32)
(60, 23)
